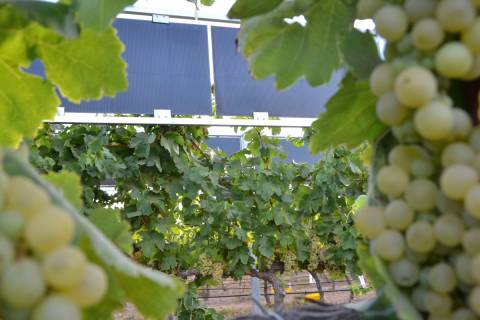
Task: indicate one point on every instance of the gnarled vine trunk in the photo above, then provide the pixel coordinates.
(318, 284)
(279, 294)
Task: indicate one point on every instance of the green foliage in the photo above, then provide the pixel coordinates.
(105, 11)
(350, 118)
(244, 9)
(153, 293)
(108, 221)
(289, 50)
(190, 308)
(70, 185)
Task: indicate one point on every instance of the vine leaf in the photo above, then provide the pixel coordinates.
(131, 281)
(88, 67)
(363, 64)
(243, 9)
(350, 118)
(117, 230)
(25, 100)
(69, 183)
(99, 14)
(288, 50)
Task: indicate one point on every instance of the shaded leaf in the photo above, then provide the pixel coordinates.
(360, 53)
(70, 184)
(243, 9)
(109, 222)
(99, 14)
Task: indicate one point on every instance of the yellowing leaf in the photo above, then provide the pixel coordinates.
(88, 67)
(25, 100)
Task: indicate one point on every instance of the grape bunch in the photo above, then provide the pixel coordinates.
(428, 229)
(43, 276)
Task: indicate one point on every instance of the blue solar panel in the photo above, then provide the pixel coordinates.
(237, 93)
(227, 145)
(167, 69)
(299, 155)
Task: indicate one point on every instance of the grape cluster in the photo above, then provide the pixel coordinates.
(290, 262)
(428, 232)
(43, 276)
(207, 267)
(315, 253)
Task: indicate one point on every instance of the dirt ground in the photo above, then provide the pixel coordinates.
(232, 298)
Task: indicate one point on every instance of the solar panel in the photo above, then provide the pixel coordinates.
(227, 145)
(236, 93)
(299, 154)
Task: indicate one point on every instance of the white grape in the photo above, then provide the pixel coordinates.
(403, 155)
(476, 163)
(438, 303)
(475, 268)
(471, 36)
(453, 60)
(389, 110)
(7, 252)
(434, 121)
(366, 8)
(472, 201)
(25, 197)
(471, 241)
(392, 180)
(56, 307)
(421, 194)
(455, 15)
(463, 268)
(474, 71)
(391, 22)
(91, 289)
(463, 314)
(415, 86)
(420, 237)
(427, 34)
(442, 278)
(22, 283)
(457, 153)
(474, 300)
(419, 298)
(462, 124)
(405, 132)
(12, 224)
(422, 168)
(64, 267)
(404, 272)
(474, 139)
(51, 229)
(456, 181)
(419, 9)
(398, 215)
(447, 205)
(382, 79)
(369, 221)
(390, 245)
(449, 230)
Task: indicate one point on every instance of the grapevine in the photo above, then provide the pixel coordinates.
(423, 224)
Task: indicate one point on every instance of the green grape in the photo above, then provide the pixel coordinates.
(476, 3)
(421, 194)
(455, 15)
(369, 221)
(51, 229)
(442, 278)
(419, 9)
(7, 252)
(470, 221)
(16, 200)
(55, 307)
(398, 215)
(22, 284)
(434, 121)
(12, 224)
(366, 8)
(392, 180)
(463, 268)
(472, 201)
(389, 110)
(471, 241)
(382, 79)
(427, 34)
(402, 156)
(449, 230)
(438, 303)
(421, 237)
(415, 86)
(390, 245)
(391, 22)
(471, 36)
(405, 132)
(463, 314)
(474, 300)
(64, 267)
(462, 124)
(415, 256)
(474, 71)
(405, 44)
(404, 272)
(476, 163)
(475, 268)
(422, 168)
(419, 298)
(91, 289)
(457, 153)
(447, 205)
(474, 139)
(453, 60)
(457, 179)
